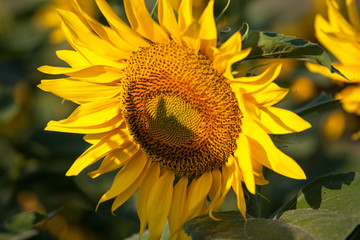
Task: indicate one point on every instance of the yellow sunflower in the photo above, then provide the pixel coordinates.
(159, 102)
(340, 35)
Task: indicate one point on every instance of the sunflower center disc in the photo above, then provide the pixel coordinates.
(180, 109)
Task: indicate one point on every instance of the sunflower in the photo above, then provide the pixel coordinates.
(340, 35)
(158, 102)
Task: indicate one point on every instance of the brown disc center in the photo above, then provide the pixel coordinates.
(179, 109)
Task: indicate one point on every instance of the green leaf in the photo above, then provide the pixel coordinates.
(322, 224)
(269, 45)
(233, 226)
(322, 101)
(21, 222)
(327, 208)
(339, 193)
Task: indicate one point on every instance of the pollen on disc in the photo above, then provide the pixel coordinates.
(180, 110)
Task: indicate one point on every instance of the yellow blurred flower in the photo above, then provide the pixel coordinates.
(334, 125)
(29, 201)
(340, 35)
(159, 102)
(303, 88)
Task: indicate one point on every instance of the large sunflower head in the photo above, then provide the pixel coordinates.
(159, 102)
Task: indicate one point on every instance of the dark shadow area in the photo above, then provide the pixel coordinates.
(355, 234)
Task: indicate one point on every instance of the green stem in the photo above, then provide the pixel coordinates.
(153, 10)
(222, 12)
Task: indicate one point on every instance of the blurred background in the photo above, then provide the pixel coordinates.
(33, 162)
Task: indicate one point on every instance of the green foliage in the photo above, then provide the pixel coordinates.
(334, 193)
(20, 226)
(21, 222)
(269, 45)
(326, 208)
(320, 102)
(233, 226)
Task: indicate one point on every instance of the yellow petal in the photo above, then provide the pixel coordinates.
(95, 138)
(93, 117)
(330, 36)
(207, 23)
(98, 151)
(266, 153)
(192, 31)
(185, 15)
(229, 59)
(116, 159)
(130, 190)
(256, 83)
(201, 210)
(159, 203)
(247, 105)
(233, 167)
(350, 99)
(122, 28)
(337, 20)
(207, 47)
(232, 45)
(197, 192)
(226, 181)
(79, 91)
(78, 71)
(350, 71)
(188, 26)
(215, 190)
(353, 13)
(240, 199)
(205, 31)
(73, 58)
(270, 95)
(98, 56)
(168, 21)
(95, 74)
(144, 193)
(280, 121)
(142, 22)
(204, 28)
(178, 204)
(126, 176)
(258, 172)
(227, 51)
(79, 32)
(242, 157)
(104, 78)
(106, 33)
(175, 4)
